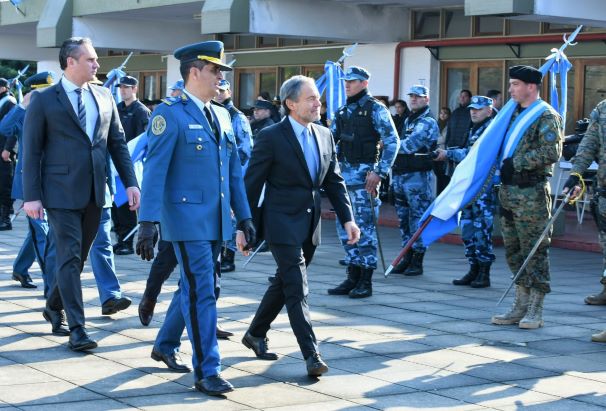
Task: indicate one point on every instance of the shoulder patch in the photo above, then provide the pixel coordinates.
(171, 100)
(550, 136)
(158, 125)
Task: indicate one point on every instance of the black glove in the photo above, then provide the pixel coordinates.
(507, 171)
(250, 234)
(572, 181)
(146, 240)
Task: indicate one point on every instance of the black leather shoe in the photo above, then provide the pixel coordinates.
(124, 249)
(146, 310)
(172, 361)
(214, 385)
(223, 334)
(315, 366)
(25, 280)
(80, 341)
(113, 305)
(57, 320)
(259, 346)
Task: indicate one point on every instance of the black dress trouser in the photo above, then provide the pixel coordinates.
(74, 231)
(290, 289)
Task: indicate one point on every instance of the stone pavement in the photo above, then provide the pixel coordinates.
(418, 343)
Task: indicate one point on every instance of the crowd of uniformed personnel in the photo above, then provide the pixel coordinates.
(202, 223)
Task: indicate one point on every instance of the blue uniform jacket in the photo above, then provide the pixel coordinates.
(11, 126)
(190, 181)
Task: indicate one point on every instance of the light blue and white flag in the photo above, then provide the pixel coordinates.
(331, 82)
(475, 173)
(137, 148)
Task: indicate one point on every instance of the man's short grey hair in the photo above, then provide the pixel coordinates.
(71, 48)
(291, 89)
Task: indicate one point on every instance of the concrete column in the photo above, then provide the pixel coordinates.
(50, 65)
(419, 67)
(379, 60)
(172, 72)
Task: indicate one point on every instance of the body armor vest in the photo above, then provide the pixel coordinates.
(358, 139)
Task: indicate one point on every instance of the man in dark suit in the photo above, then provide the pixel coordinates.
(68, 130)
(293, 159)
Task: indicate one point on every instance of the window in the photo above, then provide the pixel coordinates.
(268, 41)
(289, 42)
(489, 26)
(288, 72)
(246, 42)
(152, 85)
(456, 24)
(558, 28)
(426, 24)
(521, 27)
(229, 41)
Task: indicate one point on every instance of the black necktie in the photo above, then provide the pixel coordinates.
(81, 109)
(213, 126)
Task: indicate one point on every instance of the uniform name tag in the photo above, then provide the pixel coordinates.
(195, 127)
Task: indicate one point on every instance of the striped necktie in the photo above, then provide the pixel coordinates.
(81, 109)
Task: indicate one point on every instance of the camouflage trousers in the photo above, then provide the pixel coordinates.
(524, 215)
(599, 213)
(476, 228)
(413, 195)
(364, 252)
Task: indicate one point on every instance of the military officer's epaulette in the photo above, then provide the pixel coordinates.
(169, 101)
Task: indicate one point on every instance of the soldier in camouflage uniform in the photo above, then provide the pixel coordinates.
(476, 218)
(361, 128)
(412, 176)
(524, 195)
(593, 148)
(244, 143)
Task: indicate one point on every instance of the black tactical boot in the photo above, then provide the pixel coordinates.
(469, 277)
(416, 264)
(5, 218)
(403, 264)
(227, 261)
(483, 278)
(364, 287)
(353, 277)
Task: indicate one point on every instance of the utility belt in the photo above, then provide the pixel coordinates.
(411, 163)
(524, 179)
(356, 161)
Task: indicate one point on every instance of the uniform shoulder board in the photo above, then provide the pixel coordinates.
(169, 101)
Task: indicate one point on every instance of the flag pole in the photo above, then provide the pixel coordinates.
(408, 245)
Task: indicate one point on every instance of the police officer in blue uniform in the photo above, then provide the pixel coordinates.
(262, 116)
(477, 218)
(412, 177)
(134, 117)
(367, 145)
(34, 245)
(192, 179)
(244, 141)
(7, 102)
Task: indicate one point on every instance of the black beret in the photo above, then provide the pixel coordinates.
(263, 104)
(128, 81)
(527, 74)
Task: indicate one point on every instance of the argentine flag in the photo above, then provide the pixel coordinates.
(137, 148)
(331, 82)
(474, 174)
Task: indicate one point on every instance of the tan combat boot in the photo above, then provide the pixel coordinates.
(598, 299)
(534, 316)
(518, 310)
(599, 337)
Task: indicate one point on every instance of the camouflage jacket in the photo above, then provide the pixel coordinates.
(383, 124)
(420, 131)
(541, 144)
(593, 145)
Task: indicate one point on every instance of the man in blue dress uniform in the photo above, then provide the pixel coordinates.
(193, 178)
